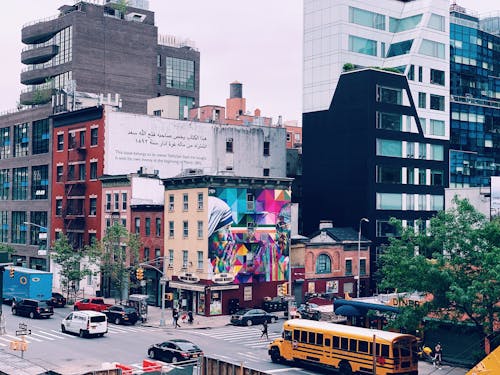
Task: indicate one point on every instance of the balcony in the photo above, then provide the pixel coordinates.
(37, 96)
(75, 188)
(77, 154)
(38, 55)
(40, 73)
(41, 30)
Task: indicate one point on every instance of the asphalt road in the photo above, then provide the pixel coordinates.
(51, 349)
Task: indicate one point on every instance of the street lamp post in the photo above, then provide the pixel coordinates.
(163, 282)
(359, 255)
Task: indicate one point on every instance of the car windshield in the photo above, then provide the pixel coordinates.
(183, 345)
(129, 310)
(42, 304)
(97, 319)
(242, 312)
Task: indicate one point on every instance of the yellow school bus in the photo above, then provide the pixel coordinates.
(347, 348)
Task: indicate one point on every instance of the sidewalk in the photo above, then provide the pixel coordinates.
(200, 322)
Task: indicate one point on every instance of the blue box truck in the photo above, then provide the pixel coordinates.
(26, 283)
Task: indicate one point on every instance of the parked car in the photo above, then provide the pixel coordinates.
(307, 311)
(57, 300)
(85, 323)
(252, 316)
(120, 314)
(32, 308)
(175, 350)
(95, 304)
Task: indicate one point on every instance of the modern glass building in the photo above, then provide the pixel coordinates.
(474, 99)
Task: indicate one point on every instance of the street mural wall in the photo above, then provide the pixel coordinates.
(249, 239)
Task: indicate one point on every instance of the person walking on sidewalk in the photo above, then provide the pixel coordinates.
(175, 316)
(264, 330)
(438, 355)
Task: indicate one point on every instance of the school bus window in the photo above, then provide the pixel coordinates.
(327, 342)
(405, 352)
(303, 336)
(312, 338)
(287, 335)
(385, 351)
(362, 346)
(352, 345)
(336, 342)
(319, 339)
(296, 335)
(344, 343)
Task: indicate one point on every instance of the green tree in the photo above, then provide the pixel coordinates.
(70, 259)
(457, 261)
(118, 250)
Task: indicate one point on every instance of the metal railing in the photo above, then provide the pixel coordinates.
(472, 100)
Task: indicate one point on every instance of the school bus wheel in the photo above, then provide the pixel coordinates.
(345, 368)
(275, 355)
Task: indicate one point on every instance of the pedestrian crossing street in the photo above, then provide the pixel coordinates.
(244, 336)
(49, 335)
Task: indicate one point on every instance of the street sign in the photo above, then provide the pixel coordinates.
(42, 252)
(23, 332)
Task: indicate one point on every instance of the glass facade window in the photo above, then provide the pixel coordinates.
(4, 226)
(21, 140)
(180, 73)
(411, 72)
(40, 182)
(436, 127)
(410, 176)
(385, 229)
(323, 264)
(422, 151)
(185, 104)
(389, 121)
(18, 233)
(40, 136)
(437, 203)
(432, 48)
(389, 201)
(422, 176)
(422, 99)
(4, 143)
(4, 184)
(436, 102)
(436, 177)
(436, 22)
(386, 147)
(437, 152)
(388, 174)
(366, 18)
(397, 25)
(400, 48)
(39, 218)
(437, 77)
(20, 183)
(410, 202)
(362, 45)
(389, 95)
(94, 133)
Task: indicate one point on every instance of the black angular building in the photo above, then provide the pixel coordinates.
(367, 157)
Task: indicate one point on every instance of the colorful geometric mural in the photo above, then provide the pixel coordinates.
(249, 233)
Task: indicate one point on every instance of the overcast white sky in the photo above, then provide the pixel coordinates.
(256, 42)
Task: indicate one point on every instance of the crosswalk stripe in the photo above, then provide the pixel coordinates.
(52, 335)
(116, 330)
(17, 338)
(63, 335)
(3, 344)
(34, 338)
(38, 335)
(1, 338)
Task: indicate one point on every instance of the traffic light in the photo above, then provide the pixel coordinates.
(11, 273)
(284, 288)
(139, 273)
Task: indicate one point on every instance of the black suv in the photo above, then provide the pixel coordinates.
(120, 314)
(57, 300)
(32, 308)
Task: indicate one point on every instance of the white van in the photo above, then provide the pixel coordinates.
(85, 323)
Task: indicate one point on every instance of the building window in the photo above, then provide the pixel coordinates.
(437, 127)
(365, 18)
(4, 226)
(180, 73)
(389, 121)
(411, 73)
(389, 201)
(229, 145)
(389, 95)
(93, 206)
(200, 201)
(21, 140)
(389, 147)
(436, 22)
(432, 48)
(158, 227)
(323, 264)
(82, 139)
(400, 48)
(40, 182)
(71, 140)
(124, 201)
(158, 82)
(157, 113)
(108, 202)
(422, 176)
(59, 203)
(265, 172)
(40, 219)
(362, 267)
(71, 172)
(362, 45)
(4, 143)
(147, 225)
(437, 102)
(421, 201)
(185, 104)
(171, 203)
(422, 151)
(184, 258)
(4, 184)
(200, 229)
(422, 100)
(200, 260)
(170, 257)
(398, 25)
(185, 202)
(250, 202)
(171, 229)
(18, 233)
(40, 137)
(387, 174)
(93, 136)
(385, 229)
(267, 148)
(157, 255)
(420, 74)
(437, 77)
(137, 225)
(20, 183)
(185, 229)
(146, 253)
(124, 223)
(93, 170)
(348, 267)
(116, 201)
(437, 203)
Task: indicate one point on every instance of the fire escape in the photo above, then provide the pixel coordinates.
(73, 207)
